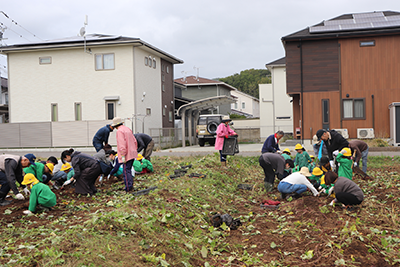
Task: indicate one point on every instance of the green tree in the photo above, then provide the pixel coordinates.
(248, 80)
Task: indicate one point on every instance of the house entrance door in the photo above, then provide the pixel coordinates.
(325, 114)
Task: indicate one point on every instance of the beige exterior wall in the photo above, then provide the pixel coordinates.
(251, 105)
(275, 105)
(70, 78)
(148, 91)
(246, 123)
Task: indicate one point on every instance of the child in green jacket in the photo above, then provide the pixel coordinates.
(41, 194)
(142, 165)
(302, 158)
(286, 154)
(346, 164)
(312, 165)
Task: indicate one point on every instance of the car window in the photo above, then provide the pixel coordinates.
(202, 121)
(217, 119)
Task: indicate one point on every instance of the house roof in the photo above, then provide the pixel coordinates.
(206, 103)
(90, 40)
(195, 81)
(350, 25)
(278, 62)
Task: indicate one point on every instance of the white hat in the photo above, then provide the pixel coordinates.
(117, 121)
(305, 172)
(225, 119)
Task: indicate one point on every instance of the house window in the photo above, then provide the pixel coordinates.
(44, 60)
(163, 67)
(154, 63)
(354, 108)
(54, 112)
(163, 88)
(6, 98)
(167, 69)
(104, 61)
(170, 116)
(146, 61)
(150, 62)
(164, 111)
(325, 111)
(148, 111)
(367, 43)
(78, 111)
(236, 105)
(110, 110)
(163, 78)
(243, 105)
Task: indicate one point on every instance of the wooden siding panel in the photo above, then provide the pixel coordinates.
(368, 71)
(320, 66)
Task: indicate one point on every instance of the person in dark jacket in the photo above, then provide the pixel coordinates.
(86, 168)
(361, 148)
(11, 172)
(347, 192)
(333, 141)
(145, 143)
(272, 164)
(271, 143)
(100, 139)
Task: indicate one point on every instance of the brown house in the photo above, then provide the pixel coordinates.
(344, 73)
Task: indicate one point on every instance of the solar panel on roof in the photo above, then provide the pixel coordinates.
(361, 21)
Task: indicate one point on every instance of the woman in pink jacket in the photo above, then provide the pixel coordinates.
(127, 150)
(223, 131)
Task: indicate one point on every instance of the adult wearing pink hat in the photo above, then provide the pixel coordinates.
(127, 150)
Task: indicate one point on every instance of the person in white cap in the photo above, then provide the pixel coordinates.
(127, 150)
(296, 184)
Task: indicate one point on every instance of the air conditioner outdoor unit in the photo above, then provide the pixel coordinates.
(365, 133)
(343, 132)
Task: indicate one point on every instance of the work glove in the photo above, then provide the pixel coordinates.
(343, 152)
(108, 177)
(335, 153)
(19, 196)
(226, 136)
(279, 152)
(332, 203)
(67, 183)
(333, 166)
(26, 191)
(123, 159)
(27, 212)
(355, 164)
(331, 190)
(321, 191)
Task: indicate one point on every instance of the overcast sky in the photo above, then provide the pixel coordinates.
(220, 37)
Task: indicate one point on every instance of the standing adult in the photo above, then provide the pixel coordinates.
(10, 172)
(86, 168)
(100, 139)
(272, 164)
(333, 141)
(145, 143)
(347, 192)
(223, 131)
(127, 150)
(361, 148)
(271, 143)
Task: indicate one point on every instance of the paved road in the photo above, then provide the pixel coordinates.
(245, 150)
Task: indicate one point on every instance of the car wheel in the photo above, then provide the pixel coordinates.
(212, 127)
(212, 142)
(201, 142)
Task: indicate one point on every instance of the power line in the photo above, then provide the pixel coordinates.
(8, 28)
(13, 21)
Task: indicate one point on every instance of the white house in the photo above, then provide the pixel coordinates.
(93, 78)
(245, 104)
(275, 105)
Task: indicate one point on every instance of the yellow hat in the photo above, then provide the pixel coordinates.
(65, 166)
(312, 156)
(50, 166)
(287, 150)
(139, 157)
(29, 179)
(346, 152)
(298, 146)
(317, 171)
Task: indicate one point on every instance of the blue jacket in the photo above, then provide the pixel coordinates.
(102, 135)
(270, 145)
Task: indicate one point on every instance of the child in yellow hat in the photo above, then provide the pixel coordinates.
(142, 165)
(67, 168)
(345, 163)
(41, 194)
(286, 154)
(302, 158)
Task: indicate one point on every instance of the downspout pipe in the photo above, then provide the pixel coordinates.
(301, 91)
(373, 111)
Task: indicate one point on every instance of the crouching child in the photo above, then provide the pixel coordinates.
(41, 194)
